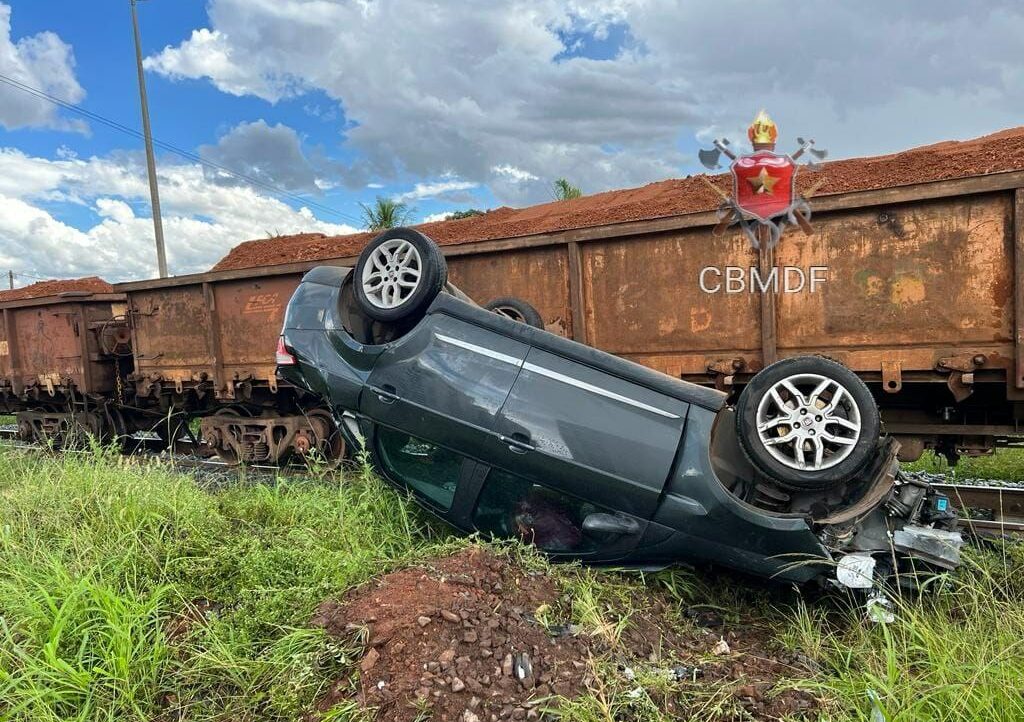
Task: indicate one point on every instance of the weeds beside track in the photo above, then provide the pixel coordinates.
(129, 592)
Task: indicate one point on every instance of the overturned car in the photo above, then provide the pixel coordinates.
(503, 428)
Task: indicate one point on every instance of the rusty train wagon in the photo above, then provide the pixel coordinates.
(919, 289)
(61, 359)
(922, 296)
(204, 346)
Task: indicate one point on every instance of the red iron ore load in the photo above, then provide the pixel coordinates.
(996, 153)
(40, 289)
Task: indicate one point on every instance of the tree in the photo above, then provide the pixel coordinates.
(565, 191)
(459, 215)
(385, 213)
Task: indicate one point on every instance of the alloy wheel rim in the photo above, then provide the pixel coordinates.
(392, 274)
(808, 422)
(509, 312)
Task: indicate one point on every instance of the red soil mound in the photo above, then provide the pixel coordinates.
(995, 153)
(460, 639)
(90, 284)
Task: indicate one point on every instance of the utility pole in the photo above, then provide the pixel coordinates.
(10, 279)
(154, 191)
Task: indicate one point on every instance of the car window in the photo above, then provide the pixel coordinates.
(431, 470)
(512, 507)
(309, 307)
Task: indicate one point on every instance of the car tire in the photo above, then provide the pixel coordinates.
(516, 309)
(821, 435)
(386, 268)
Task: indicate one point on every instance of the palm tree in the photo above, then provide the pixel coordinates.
(385, 213)
(565, 191)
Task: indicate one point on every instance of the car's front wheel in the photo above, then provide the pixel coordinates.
(808, 422)
(398, 274)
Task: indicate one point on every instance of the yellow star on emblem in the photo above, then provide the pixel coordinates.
(762, 182)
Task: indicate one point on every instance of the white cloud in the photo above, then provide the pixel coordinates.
(433, 217)
(452, 190)
(517, 175)
(474, 88)
(211, 55)
(202, 219)
(41, 61)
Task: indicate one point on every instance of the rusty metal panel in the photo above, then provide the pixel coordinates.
(206, 330)
(538, 275)
(250, 313)
(170, 328)
(644, 300)
(7, 349)
(53, 344)
(908, 284)
(936, 273)
(50, 345)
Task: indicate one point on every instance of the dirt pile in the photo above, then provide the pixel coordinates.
(90, 284)
(474, 638)
(996, 153)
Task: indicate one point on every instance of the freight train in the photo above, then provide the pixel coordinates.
(136, 366)
(923, 299)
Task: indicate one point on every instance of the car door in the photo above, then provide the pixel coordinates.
(444, 382)
(589, 433)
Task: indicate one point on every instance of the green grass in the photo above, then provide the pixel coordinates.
(1005, 464)
(957, 654)
(103, 566)
(129, 593)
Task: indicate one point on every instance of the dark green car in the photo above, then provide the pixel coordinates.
(503, 428)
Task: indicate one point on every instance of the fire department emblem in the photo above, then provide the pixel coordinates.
(763, 184)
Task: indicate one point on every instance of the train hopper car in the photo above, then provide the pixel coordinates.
(62, 360)
(204, 347)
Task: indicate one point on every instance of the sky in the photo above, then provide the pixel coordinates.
(445, 105)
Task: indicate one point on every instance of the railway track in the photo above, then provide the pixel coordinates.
(1005, 504)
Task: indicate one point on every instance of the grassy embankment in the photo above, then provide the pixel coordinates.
(1004, 464)
(129, 593)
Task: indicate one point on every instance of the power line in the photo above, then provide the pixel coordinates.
(103, 120)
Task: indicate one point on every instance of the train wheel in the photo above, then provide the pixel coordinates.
(221, 447)
(327, 443)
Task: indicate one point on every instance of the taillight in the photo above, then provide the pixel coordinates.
(284, 356)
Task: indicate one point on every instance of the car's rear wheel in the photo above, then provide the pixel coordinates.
(517, 309)
(808, 422)
(398, 274)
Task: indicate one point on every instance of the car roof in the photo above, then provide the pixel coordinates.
(654, 380)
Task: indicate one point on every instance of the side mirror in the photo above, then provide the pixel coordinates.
(611, 524)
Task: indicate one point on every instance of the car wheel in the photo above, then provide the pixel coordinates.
(398, 274)
(516, 309)
(808, 422)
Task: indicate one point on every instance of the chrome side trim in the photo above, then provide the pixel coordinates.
(497, 355)
(597, 390)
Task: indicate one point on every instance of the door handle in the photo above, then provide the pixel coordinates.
(517, 443)
(386, 394)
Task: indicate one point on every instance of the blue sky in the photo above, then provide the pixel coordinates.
(445, 105)
(188, 113)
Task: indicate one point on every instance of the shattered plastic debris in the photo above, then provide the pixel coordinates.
(856, 571)
(879, 608)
